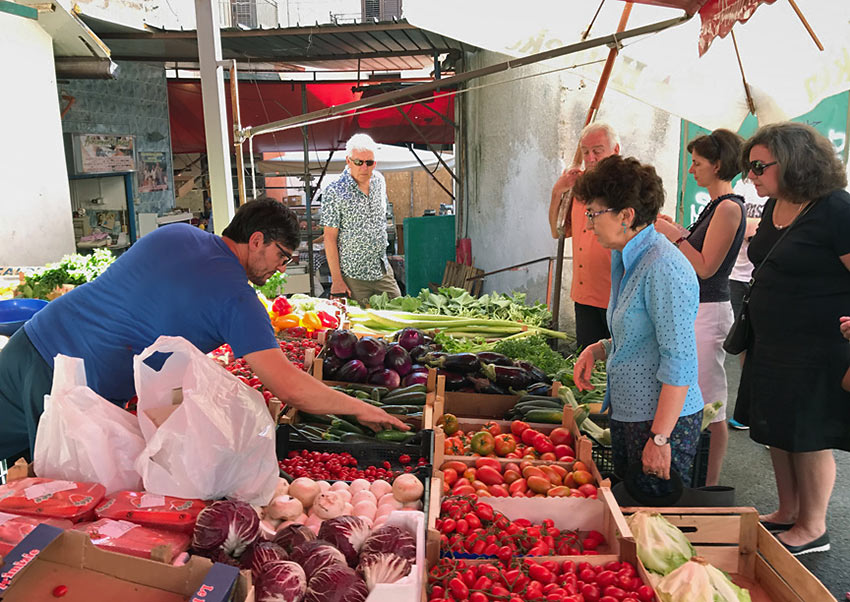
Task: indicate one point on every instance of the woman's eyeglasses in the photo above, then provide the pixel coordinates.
(758, 167)
(285, 258)
(359, 162)
(592, 215)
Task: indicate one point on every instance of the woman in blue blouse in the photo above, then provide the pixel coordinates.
(655, 401)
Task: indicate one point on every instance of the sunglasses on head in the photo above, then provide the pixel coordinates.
(359, 162)
(758, 167)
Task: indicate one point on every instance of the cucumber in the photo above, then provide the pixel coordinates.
(378, 393)
(355, 438)
(345, 425)
(535, 405)
(395, 436)
(404, 390)
(409, 398)
(362, 395)
(402, 409)
(545, 416)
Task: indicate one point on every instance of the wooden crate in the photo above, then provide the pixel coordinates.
(733, 540)
(456, 274)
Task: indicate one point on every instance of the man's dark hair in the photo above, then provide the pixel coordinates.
(720, 146)
(620, 182)
(276, 221)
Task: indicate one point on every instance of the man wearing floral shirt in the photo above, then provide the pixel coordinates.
(354, 216)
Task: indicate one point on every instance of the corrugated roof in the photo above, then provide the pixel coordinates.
(394, 46)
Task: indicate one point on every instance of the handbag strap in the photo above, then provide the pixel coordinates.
(779, 240)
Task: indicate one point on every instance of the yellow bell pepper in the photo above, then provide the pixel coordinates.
(311, 321)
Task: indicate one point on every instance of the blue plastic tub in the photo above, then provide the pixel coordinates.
(14, 312)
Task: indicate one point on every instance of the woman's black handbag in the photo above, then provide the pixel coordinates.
(739, 335)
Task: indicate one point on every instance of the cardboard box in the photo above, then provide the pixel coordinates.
(49, 557)
(733, 540)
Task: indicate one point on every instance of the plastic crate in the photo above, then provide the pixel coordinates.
(603, 456)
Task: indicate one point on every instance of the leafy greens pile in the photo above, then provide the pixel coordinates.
(72, 269)
(453, 301)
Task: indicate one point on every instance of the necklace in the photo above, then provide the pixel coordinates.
(791, 221)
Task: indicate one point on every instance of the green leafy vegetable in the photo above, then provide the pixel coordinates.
(274, 286)
(71, 269)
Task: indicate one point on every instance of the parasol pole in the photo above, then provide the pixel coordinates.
(751, 105)
(591, 116)
(237, 131)
(806, 24)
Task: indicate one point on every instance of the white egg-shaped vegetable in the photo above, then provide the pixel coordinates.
(383, 512)
(416, 505)
(328, 505)
(282, 487)
(305, 489)
(314, 523)
(324, 485)
(407, 488)
(359, 485)
(348, 509)
(380, 487)
(364, 494)
(340, 485)
(366, 509)
(390, 501)
(345, 494)
(268, 528)
(284, 507)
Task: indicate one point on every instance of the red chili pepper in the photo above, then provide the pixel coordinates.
(60, 590)
(404, 459)
(327, 320)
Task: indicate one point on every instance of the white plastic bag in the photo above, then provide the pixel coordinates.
(83, 437)
(220, 439)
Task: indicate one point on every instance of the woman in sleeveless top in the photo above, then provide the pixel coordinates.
(711, 245)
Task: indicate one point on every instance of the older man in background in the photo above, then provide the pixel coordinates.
(591, 284)
(354, 216)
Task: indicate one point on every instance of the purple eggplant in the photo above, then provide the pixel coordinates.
(486, 386)
(536, 373)
(539, 389)
(385, 378)
(371, 351)
(331, 366)
(353, 371)
(491, 357)
(410, 338)
(419, 352)
(415, 378)
(455, 381)
(458, 362)
(433, 358)
(512, 377)
(342, 343)
(419, 368)
(398, 359)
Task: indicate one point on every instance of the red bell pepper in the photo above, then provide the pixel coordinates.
(281, 306)
(327, 320)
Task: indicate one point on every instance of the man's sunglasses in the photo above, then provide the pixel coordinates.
(285, 258)
(758, 167)
(359, 162)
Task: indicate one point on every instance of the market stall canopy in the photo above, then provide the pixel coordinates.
(71, 36)
(263, 102)
(786, 73)
(390, 158)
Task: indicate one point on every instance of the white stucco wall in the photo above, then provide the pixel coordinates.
(35, 201)
(520, 135)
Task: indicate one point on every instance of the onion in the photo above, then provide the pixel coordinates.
(305, 490)
(407, 488)
(284, 507)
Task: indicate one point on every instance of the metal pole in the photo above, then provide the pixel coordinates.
(215, 114)
(308, 193)
(237, 129)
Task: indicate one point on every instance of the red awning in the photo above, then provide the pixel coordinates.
(719, 16)
(265, 102)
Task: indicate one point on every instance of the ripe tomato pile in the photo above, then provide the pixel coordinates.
(488, 477)
(521, 442)
(329, 466)
(531, 581)
(294, 349)
(469, 526)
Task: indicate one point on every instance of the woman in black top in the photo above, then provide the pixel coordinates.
(711, 244)
(790, 393)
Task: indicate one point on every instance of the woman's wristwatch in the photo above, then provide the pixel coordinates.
(659, 440)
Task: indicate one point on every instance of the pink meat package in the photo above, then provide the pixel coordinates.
(13, 529)
(134, 540)
(51, 498)
(151, 510)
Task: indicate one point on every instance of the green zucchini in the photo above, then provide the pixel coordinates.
(404, 391)
(395, 436)
(345, 425)
(545, 416)
(402, 409)
(410, 398)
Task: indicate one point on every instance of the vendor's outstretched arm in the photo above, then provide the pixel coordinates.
(300, 390)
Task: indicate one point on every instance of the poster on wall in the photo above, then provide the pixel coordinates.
(105, 153)
(153, 171)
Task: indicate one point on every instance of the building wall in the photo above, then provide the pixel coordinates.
(35, 203)
(137, 104)
(519, 137)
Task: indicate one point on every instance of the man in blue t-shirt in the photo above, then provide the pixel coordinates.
(176, 281)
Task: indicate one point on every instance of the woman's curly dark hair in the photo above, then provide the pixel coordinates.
(621, 182)
(720, 146)
(276, 221)
(807, 163)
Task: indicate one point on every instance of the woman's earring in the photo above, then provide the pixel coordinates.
(624, 227)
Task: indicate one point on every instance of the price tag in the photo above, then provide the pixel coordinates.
(48, 488)
(151, 500)
(115, 528)
(6, 517)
